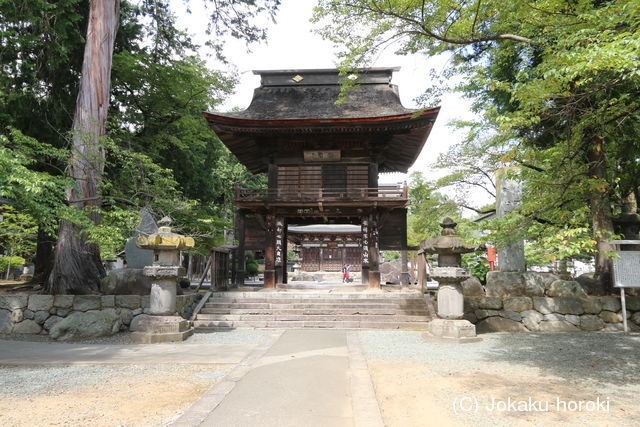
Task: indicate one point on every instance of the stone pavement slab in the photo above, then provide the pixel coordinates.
(306, 378)
(34, 353)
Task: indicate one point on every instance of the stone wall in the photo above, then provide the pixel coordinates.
(37, 314)
(550, 314)
(543, 302)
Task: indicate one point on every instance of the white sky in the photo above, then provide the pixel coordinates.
(291, 44)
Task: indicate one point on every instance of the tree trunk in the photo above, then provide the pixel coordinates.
(601, 215)
(43, 259)
(77, 268)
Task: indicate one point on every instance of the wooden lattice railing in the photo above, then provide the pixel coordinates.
(321, 194)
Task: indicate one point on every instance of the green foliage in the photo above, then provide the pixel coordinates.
(251, 268)
(555, 83)
(478, 265)
(428, 208)
(160, 153)
(391, 255)
(10, 261)
(17, 231)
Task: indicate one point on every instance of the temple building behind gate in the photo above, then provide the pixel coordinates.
(322, 160)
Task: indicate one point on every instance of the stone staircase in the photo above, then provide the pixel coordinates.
(313, 309)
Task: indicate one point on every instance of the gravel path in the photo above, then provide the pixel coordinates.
(603, 357)
(226, 336)
(547, 367)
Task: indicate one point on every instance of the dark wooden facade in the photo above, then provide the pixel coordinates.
(327, 248)
(322, 160)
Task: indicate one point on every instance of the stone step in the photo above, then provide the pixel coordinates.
(314, 310)
(317, 317)
(261, 296)
(281, 324)
(297, 305)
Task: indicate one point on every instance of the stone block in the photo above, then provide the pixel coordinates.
(40, 302)
(566, 288)
(126, 316)
(499, 324)
(487, 303)
(51, 321)
(610, 316)
(126, 281)
(613, 327)
(6, 324)
(63, 312)
(41, 316)
(591, 305)
(518, 303)
(511, 315)
(452, 329)
(531, 319)
(108, 301)
(63, 301)
(556, 326)
(536, 283)
(562, 305)
(554, 316)
(610, 303)
(87, 302)
(470, 316)
(573, 319)
(27, 326)
(472, 287)
(591, 322)
(145, 301)
(504, 284)
(635, 318)
(591, 285)
(17, 315)
(90, 324)
(11, 302)
(633, 303)
(28, 314)
(137, 312)
(482, 314)
(128, 301)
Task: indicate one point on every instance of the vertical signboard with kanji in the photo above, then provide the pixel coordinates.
(279, 242)
(365, 243)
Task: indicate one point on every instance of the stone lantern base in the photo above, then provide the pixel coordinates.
(156, 329)
(448, 330)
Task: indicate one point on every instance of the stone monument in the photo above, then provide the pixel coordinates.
(449, 274)
(136, 256)
(162, 324)
(508, 198)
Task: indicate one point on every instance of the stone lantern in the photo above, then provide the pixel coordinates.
(163, 324)
(449, 275)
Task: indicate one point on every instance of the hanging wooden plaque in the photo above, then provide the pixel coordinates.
(322, 156)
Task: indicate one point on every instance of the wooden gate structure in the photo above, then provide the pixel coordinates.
(322, 160)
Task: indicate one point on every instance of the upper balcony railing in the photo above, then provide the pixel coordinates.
(397, 192)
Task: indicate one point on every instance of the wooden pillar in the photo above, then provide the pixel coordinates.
(364, 247)
(404, 274)
(239, 262)
(374, 253)
(422, 272)
(270, 253)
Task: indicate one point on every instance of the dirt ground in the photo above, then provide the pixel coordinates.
(414, 394)
(154, 397)
(12, 287)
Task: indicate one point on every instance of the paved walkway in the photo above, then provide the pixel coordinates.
(305, 378)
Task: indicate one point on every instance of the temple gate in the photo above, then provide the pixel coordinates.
(322, 160)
